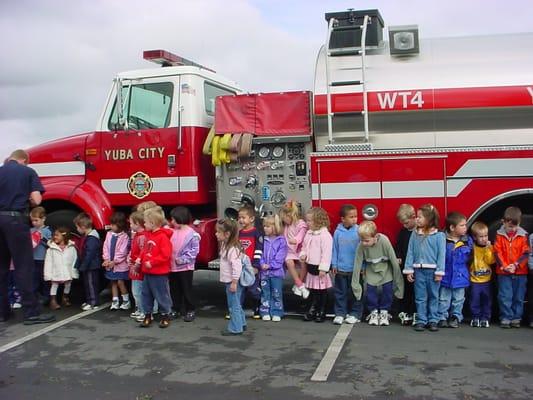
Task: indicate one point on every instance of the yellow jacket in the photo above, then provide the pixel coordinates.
(482, 263)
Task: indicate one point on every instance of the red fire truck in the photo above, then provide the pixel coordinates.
(392, 119)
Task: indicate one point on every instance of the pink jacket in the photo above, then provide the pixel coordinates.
(295, 231)
(121, 251)
(317, 248)
(185, 247)
(230, 264)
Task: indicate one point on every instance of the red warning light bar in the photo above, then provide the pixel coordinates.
(167, 59)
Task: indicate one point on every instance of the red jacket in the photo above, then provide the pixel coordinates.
(158, 251)
(511, 250)
(137, 246)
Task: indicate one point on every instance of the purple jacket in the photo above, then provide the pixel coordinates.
(274, 254)
(185, 248)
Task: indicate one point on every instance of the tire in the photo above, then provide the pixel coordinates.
(62, 218)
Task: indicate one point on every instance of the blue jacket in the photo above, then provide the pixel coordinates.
(91, 253)
(274, 253)
(345, 242)
(40, 251)
(426, 251)
(458, 254)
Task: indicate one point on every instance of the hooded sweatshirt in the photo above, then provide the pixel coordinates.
(345, 242)
(90, 258)
(157, 251)
(274, 254)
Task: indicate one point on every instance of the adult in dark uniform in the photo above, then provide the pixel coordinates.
(20, 187)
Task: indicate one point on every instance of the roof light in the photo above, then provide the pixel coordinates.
(167, 59)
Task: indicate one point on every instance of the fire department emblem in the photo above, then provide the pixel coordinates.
(140, 185)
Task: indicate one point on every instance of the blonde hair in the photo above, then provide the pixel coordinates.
(320, 217)
(229, 225)
(155, 215)
(290, 209)
(137, 217)
(478, 227)
(274, 221)
(367, 229)
(145, 205)
(83, 220)
(38, 212)
(405, 212)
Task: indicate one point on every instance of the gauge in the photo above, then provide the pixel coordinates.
(278, 151)
(264, 152)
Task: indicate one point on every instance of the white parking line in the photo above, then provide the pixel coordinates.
(326, 364)
(49, 328)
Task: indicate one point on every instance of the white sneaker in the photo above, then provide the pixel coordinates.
(350, 319)
(86, 307)
(296, 290)
(16, 306)
(338, 320)
(414, 319)
(126, 305)
(135, 314)
(276, 318)
(305, 292)
(384, 318)
(373, 318)
(266, 318)
(115, 305)
(140, 318)
(405, 318)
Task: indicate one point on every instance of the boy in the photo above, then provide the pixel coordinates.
(406, 215)
(345, 242)
(40, 235)
(381, 270)
(251, 241)
(456, 274)
(90, 260)
(511, 250)
(480, 276)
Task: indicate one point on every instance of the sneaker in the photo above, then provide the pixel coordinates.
(373, 318)
(505, 324)
(475, 323)
(135, 314)
(126, 305)
(115, 305)
(256, 315)
(16, 306)
(338, 320)
(384, 318)
(405, 318)
(454, 322)
(86, 307)
(140, 318)
(189, 316)
(350, 319)
(305, 292)
(484, 323)
(173, 314)
(419, 327)
(414, 319)
(530, 324)
(227, 316)
(433, 327)
(443, 324)
(296, 290)
(276, 318)
(266, 318)
(515, 323)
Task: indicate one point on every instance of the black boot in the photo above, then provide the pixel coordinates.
(321, 314)
(311, 313)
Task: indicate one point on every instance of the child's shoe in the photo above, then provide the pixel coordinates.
(256, 315)
(165, 321)
(484, 323)
(515, 323)
(65, 300)
(276, 318)
(338, 320)
(419, 327)
(433, 327)
(296, 290)
(505, 324)
(135, 314)
(189, 316)
(87, 307)
(454, 322)
(147, 321)
(475, 323)
(126, 305)
(227, 316)
(373, 318)
(16, 306)
(266, 318)
(54, 305)
(384, 318)
(140, 318)
(305, 292)
(320, 317)
(350, 319)
(443, 324)
(115, 305)
(405, 318)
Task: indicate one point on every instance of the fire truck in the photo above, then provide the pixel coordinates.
(393, 118)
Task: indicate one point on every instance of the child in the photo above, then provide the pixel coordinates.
(90, 260)
(185, 247)
(40, 235)
(155, 265)
(272, 273)
(252, 244)
(407, 217)
(134, 260)
(59, 266)
(480, 275)
(424, 265)
(316, 253)
(382, 274)
(294, 230)
(345, 242)
(115, 253)
(530, 281)
(511, 250)
(456, 274)
(230, 272)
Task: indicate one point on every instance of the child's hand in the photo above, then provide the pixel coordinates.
(293, 241)
(399, 260)
(511, 268)
(147, 264)
(264, 267)
(233, 287)
(333, 270)
(303, 257)
(138, 262)
(111, 264)
(411, 278)
(438, 278)
(322, 274)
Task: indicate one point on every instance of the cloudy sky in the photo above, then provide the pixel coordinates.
(59, 56)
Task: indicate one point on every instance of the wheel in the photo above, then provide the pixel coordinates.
(62, 218)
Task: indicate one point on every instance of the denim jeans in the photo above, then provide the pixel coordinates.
(511, 293)
(426, 296)
(451, 303)
(271, 296)
(481, 300)
(344, 298)
(379, 301)
(237, 320)
(155, 287)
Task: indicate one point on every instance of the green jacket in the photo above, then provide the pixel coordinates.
(380, 266)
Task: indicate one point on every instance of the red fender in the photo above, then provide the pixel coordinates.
(93, 200)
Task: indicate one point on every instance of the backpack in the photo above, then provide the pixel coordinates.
(247, 277)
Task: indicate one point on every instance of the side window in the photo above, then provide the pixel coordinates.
(147, 106)
(211, 91)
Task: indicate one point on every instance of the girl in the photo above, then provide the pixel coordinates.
(227, 234)
(59, 263)
(271, 274)
(294, 230)
(424, 265)
(185, 248)
(115, 253)
(316, 253)
(134, 260)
